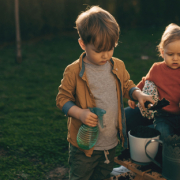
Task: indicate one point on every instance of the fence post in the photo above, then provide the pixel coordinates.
(18, 38)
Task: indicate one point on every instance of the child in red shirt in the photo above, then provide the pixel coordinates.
(166, 77)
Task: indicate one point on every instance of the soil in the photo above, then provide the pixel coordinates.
(126, 176)
(171, 147)
(60, 173)
(144, 132)
(173, 141)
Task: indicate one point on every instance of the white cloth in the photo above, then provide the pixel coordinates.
(119, 170)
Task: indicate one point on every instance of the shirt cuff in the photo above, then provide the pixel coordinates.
(131, 91)
(67, 106)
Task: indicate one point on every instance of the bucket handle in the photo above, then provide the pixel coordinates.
(151, 141)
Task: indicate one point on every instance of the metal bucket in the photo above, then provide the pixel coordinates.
(170, 157)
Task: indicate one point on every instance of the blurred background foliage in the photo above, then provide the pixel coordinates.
(41, 17)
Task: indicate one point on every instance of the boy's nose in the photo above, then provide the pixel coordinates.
(105, 55)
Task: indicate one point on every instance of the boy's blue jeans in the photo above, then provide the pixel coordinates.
(167, 125)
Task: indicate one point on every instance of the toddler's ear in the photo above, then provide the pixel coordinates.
(162, 53)
(81, 43)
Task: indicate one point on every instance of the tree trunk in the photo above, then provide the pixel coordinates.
(18, 38)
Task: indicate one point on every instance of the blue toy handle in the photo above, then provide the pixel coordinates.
(99, 112)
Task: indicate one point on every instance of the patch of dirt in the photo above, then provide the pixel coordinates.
(152, 167)
(60, 173)
(144, 132)
(125, 176)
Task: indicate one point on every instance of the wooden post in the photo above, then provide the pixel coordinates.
(18, 38)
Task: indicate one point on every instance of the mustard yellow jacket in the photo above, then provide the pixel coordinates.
(74, 90)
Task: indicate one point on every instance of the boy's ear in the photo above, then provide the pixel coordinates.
(162, 53)
(81, 43)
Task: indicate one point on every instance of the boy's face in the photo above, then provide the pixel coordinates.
(171, 54)
(94, 57)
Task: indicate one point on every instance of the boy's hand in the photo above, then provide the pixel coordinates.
(84, 115)
(88, 118)
(142, 98)
(131, 104)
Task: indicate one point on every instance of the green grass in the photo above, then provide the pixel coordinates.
(32, 129)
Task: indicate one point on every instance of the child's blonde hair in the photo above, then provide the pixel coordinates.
(171, 33)
(99, 27)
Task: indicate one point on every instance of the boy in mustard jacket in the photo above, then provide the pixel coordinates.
(96, 79)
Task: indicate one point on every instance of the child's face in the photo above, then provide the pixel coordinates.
(94, 57)
(171, 54)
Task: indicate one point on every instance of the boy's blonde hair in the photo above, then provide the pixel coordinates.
(99, 27)
(171, 33)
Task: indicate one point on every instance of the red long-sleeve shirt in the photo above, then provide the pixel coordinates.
(167, 81)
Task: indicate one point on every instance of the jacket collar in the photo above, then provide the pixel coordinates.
(112, 62)
(82, 66)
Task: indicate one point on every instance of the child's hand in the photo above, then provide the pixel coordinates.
(84, 115)
(131, 104)
(88, 118)
(142, 98)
